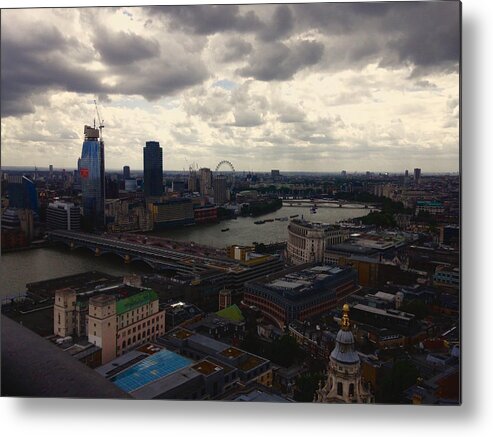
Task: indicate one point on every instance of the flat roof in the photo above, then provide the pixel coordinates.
(150, 369)
(231, 352)
(384, 312)
(206, 367)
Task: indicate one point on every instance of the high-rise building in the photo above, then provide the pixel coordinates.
(344, 384)
(126, 172)
(417, 175)
(63, 215)
(51, 171)
(153, 169)
(220, 190)
(193, 182)
(22, 193)
(92, 179)
(205, 181)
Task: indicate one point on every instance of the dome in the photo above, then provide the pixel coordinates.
(344, 352)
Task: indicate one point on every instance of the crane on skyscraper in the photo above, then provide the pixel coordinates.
(101, 125)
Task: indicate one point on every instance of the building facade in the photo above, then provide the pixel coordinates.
(205, 181)
(220, 187)
(300, 294)
(307, 241)
(116, 321)
(92, 179)
(171, 213)
(153, 169)
(22, 193)
(63, 215)
(344, 383)
(126, 172)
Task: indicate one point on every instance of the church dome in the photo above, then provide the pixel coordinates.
(344, 351)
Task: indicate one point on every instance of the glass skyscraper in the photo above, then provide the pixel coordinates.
(22, 193)
(91, 170)
(153, 169)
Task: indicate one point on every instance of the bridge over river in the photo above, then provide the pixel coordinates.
(187, 258)
(156, 257)
(323, 203)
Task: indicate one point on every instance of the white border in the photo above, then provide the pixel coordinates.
(124, 418)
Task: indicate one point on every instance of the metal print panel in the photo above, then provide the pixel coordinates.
(273, 214)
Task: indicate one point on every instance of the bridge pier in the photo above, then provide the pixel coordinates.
(127, 259)
(97, 252)
(72, 245)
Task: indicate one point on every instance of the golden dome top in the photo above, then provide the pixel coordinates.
(345, 323)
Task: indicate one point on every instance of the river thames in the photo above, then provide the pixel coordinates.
(19, 268)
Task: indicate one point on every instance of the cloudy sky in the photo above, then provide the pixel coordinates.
(315, 87)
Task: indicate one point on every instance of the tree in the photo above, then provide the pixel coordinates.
(306, 386)
(285, 351)
(403, 375)
(416, 307)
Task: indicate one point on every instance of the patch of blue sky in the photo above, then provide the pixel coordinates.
(226, 84)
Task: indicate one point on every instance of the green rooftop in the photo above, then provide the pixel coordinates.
(135, 301)
(231, 313)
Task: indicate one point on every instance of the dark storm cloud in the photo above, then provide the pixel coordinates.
(158, 79)
(121, 48)
(277, 61)
(423, 34)
(36, 61)
(235, 49)
(281, 24)
(208, 19)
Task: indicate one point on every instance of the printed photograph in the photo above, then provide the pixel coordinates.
(243, 203)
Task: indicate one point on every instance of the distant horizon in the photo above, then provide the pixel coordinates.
(282, 172)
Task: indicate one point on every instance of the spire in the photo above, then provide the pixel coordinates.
(345, 323)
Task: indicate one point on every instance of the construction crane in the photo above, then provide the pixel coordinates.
(101, 125)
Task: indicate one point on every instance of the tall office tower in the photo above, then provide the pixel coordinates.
(92, 179)
(220, 190)
(126, 172)
(205, 181)
(193, 182)
(22, 193)
(153, 169)
(417, 175)
(51, 171)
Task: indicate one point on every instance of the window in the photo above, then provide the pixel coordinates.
(339, 388)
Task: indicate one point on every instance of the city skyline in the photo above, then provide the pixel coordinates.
(264, 86)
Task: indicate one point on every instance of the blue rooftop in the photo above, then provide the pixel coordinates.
(149, 369)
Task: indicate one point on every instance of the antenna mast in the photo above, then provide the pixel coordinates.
(101, 125)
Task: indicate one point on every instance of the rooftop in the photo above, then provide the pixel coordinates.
(250, 363)
(206, 367)
(232, 352)
(150, 369)
(181, 334)
(385, 312)
(231, 313)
